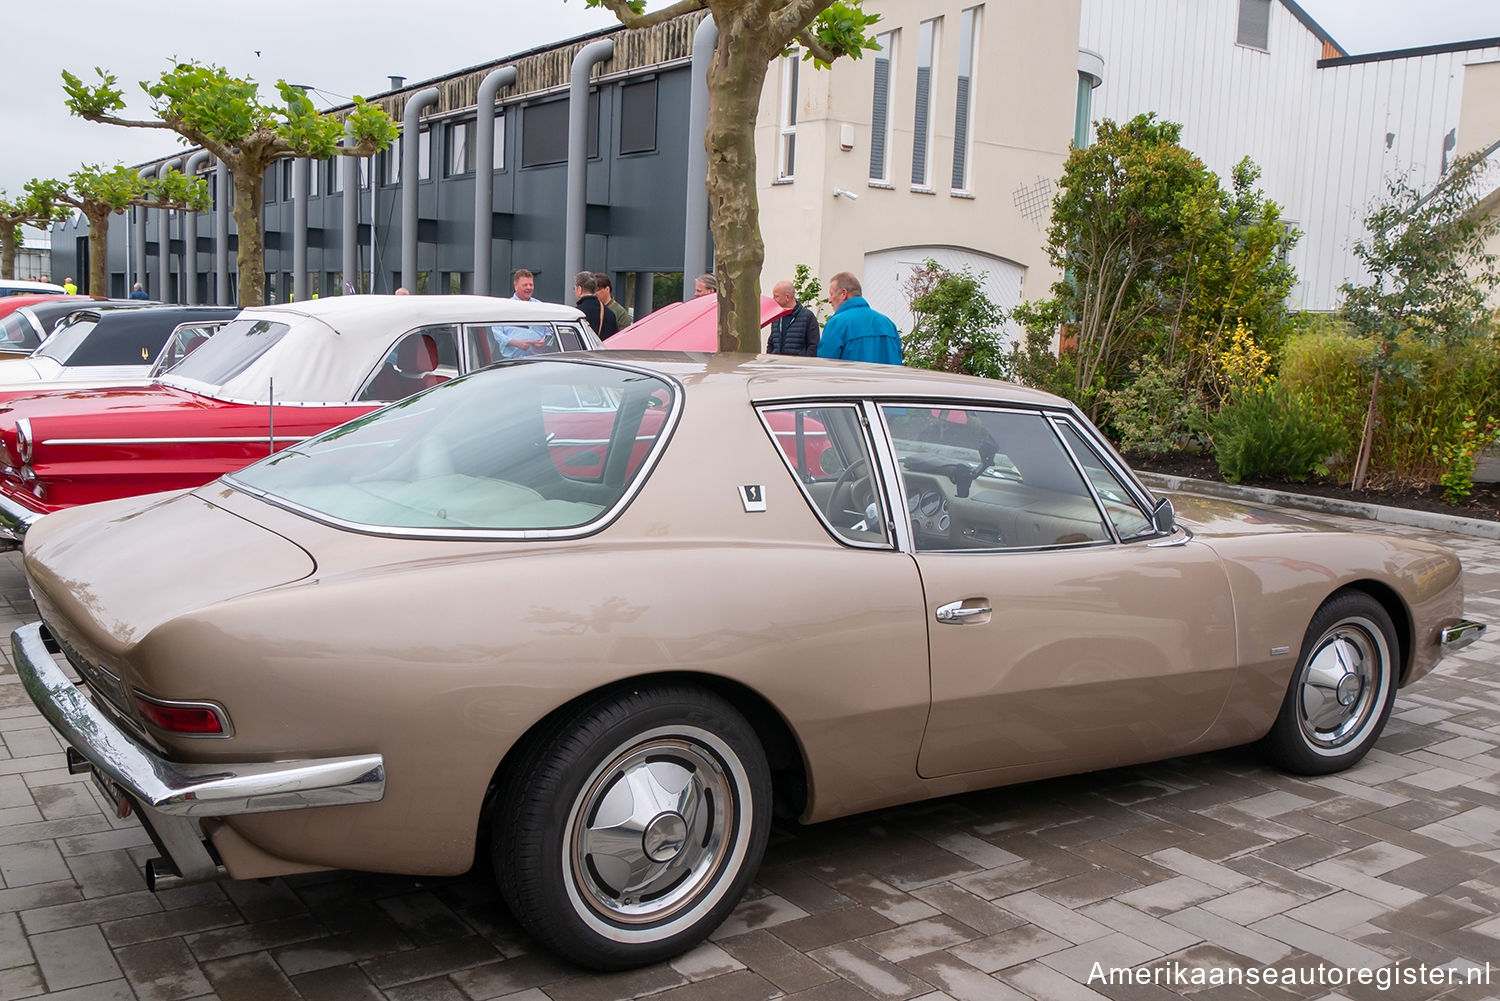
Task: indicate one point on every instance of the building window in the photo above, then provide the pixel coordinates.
(880, 111)
(921, 163)
(287, 190)
(424, 155)
(499, 141)
(1255, 24)
(544, 132)
(314, 170)
(460, 148)
(335, 167)
(638, 117)
(786, 147)
(364, 170)
(963, 140)
(392, 172)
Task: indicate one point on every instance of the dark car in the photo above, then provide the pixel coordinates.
(23, 331)
(112, 347)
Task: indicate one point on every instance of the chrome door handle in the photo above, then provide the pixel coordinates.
(954, 613)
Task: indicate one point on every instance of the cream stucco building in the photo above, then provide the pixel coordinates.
(946, 143)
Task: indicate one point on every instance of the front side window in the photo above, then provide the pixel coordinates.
(509, 449)
(786, 150)
(420, 360)
(183, 342)
(1122, 509)
(829, 456)
(492, 342)
(989, 479)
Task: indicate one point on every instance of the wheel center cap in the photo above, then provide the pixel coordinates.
(664, 837)
(1349, 689)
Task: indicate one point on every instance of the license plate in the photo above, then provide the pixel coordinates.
(112, 792)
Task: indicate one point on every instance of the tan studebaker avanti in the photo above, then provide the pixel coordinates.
(608, 614)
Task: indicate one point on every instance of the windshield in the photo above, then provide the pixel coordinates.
(232, 350)
(66, 338)
(521, 447)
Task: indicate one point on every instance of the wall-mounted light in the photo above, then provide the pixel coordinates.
(841, 193)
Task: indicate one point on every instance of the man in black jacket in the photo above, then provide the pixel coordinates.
(796, 333)
(601, 319)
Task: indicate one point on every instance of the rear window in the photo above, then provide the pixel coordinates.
(537, 448)
(232, 350)
(67, 338)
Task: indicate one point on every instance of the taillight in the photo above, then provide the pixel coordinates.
(193, 719)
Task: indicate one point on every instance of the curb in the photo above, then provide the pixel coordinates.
(1429, 520)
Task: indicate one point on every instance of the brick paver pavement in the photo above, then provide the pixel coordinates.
(1192, 867)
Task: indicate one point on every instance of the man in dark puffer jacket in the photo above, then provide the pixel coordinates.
(796, 333)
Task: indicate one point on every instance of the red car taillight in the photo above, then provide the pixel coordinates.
(199, 719)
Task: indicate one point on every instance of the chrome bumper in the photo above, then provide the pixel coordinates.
(1459, 635)
(167, 795)
(15, 519)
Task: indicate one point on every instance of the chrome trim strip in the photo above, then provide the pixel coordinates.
(892, 478)
(177, 791)
(1460, 635)
(246, 439)
(1083, 474)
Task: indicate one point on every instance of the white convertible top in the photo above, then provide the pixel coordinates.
(333, 345)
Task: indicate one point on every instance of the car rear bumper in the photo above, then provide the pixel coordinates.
(166, 795)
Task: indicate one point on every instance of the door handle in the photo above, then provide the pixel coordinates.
(955, 614)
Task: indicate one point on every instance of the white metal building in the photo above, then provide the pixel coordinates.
(1260, 78)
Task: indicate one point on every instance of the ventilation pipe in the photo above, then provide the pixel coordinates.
(299, 289)
(578, 122)
(223, 204)
(190, 234)
(140, 235)
(695, 231)
(484, 174)
(411, 143)
(350, 171)
(164, 240)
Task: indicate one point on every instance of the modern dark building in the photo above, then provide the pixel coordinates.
(635, 171)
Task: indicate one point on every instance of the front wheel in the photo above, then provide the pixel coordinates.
(629, 833)
(1342, 690)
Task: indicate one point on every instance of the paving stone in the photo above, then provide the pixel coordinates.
(240, 939)
(169, 924)
(1234, 937)
(430, 961)
(778, 962)
(1010, 948)
(958, 979)
(511, 976)
(163, 970)
(976, 912)
(705, 962)
(806, 934)
(74, 957)
(250, 977)
(763, 912)
(344, 983)
(871, 974)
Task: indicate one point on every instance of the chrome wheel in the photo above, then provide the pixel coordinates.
(1341, 692)
(653, 826)
(1340, 687)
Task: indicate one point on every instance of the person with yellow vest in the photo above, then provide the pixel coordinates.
(69, 287)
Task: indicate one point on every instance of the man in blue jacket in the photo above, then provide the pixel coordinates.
(855, 332)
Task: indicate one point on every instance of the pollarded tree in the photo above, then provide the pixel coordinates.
(209, 107)
(33, 208)
(751, 36)
(1430, 277)
(100, 193)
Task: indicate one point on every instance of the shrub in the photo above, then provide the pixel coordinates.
(1270, 433)
(1155, 413)
(955, 326)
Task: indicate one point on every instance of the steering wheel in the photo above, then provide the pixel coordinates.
(845, 485)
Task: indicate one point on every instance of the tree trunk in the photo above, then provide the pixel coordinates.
(1367, 440)
(8, 252)
(99, 251)
(735, 79)
(249, 198)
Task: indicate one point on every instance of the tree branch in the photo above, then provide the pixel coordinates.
(630, 19)
(810, 42)
(127, 122)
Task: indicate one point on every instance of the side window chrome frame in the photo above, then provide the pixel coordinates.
(1111, 461)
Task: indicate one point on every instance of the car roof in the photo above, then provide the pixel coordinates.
(13, 284)
(165, 317)
(332, 345)
(767, 378)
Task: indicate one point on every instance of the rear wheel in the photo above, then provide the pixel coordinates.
(629, 833)
(1342, 691)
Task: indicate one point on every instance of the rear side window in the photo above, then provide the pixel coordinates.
(537, 447)
(420, 360)
(16, 331)
(67, 339)
(829, 454)
(130, 340)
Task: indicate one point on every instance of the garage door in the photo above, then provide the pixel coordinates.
(887, 273)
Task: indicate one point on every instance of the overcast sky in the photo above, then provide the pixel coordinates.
(344, 50)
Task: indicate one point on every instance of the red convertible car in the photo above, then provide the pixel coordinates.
(275, 376)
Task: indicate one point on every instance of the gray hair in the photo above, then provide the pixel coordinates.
(585, 281)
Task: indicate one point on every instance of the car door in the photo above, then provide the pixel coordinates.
(1059, 637)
